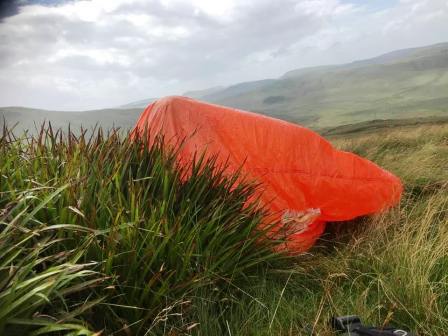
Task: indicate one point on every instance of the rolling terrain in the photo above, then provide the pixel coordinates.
(399, 85)
(404, 84)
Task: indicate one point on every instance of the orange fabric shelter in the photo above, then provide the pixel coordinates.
(297, 168)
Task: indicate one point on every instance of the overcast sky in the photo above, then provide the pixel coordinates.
(99, 53)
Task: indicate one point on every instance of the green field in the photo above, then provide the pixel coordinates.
(98, 236)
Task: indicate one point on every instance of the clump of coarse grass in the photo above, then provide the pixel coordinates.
(143, 251)
(39, 283)
(126, 211)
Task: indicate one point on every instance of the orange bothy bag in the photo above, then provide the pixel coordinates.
(301, 174)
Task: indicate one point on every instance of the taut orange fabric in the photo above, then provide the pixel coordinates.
(297, 168)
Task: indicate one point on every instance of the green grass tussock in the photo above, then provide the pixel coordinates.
(34, 279)
(100, 236)
(154, 236)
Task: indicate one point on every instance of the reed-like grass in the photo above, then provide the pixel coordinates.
(391, 268)
(98, 235)
(154, 232)
(391, 272)
(36, 284)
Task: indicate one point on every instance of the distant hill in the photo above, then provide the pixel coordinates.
(27, 118)
(374, 126)
(402, 84)
(202, 93)
(138, 104)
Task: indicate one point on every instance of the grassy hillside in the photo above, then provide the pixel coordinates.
(380, 125)
(201, 93)
(403, 84)
(99, 235)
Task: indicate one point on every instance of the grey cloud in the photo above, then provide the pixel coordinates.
(116, 59)
(8, 8)
(228, 46)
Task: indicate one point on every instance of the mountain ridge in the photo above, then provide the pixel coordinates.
(401, 84)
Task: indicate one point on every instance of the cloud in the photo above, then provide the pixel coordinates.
(97, 53)
(8, 8)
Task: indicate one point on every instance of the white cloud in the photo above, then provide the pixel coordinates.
(324, 8)
(91, 54)
(217, 9)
